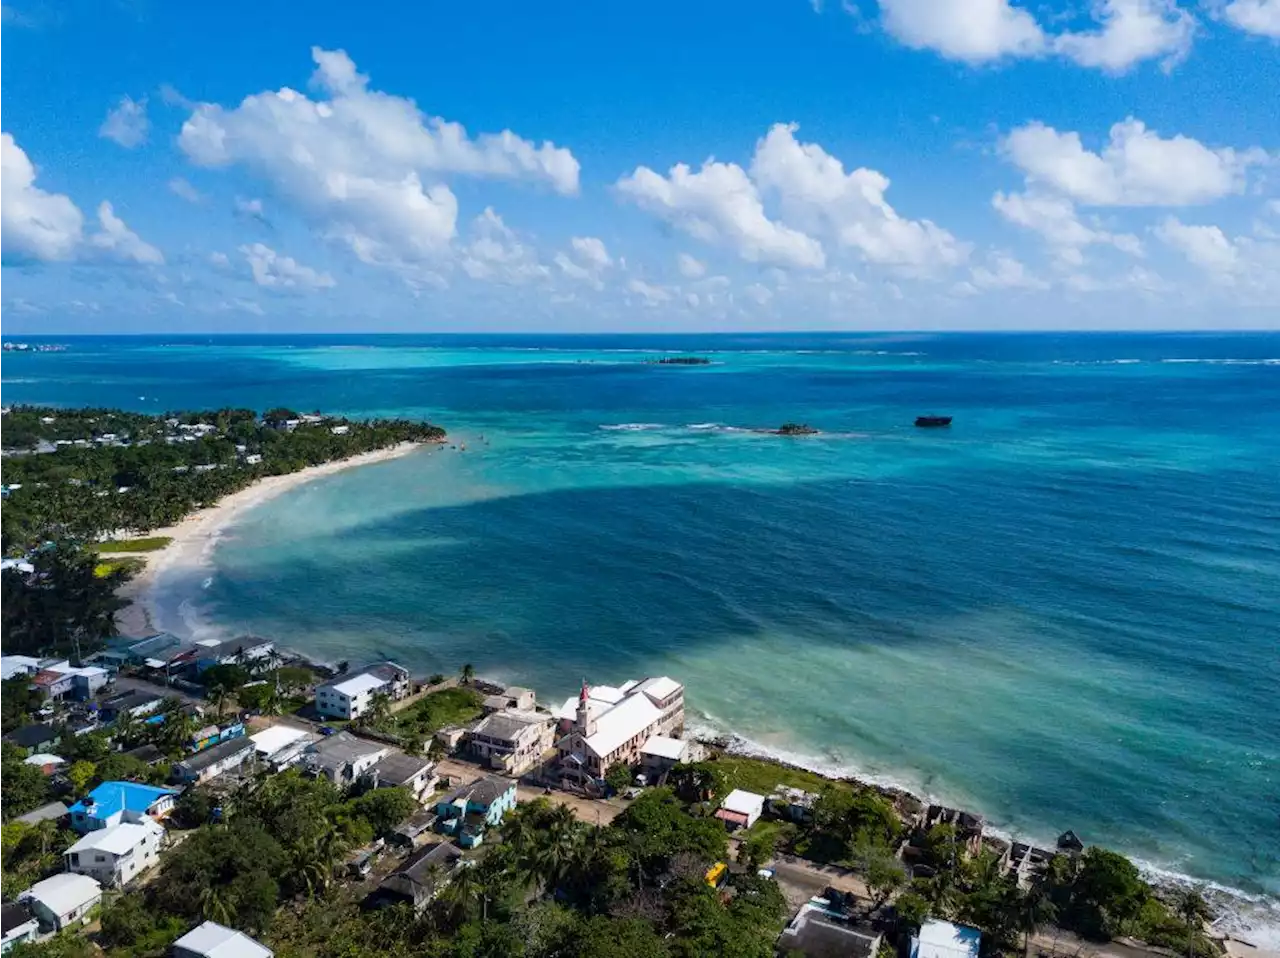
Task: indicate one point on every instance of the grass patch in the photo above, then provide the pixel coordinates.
(782, 833)
(149, 544)
(762, 776)
(127, 564)
(456, 706)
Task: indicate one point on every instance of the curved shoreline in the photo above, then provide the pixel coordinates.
(194, 535)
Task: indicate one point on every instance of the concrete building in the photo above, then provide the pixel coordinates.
(943, 939)
(740, 809)
(115, 856)
(18, 924)
(661, 754)
(12, 665)
(280, 746)
(137, 704)
(212, 762)
(211, 940)
(246, 650)
(398, 770)
(470, 810)
(63, 900)
(33, 739)
(611, 725)
(114, 802)
(510, 741)
(816, 932)
(343, 758)
(350, 696)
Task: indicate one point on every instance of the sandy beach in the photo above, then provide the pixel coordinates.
(197, 533)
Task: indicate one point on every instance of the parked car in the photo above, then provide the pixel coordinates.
(327, 730)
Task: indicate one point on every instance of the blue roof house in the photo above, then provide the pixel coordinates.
(468, 811)
(114, 802)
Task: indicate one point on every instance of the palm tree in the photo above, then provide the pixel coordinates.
(468, 673)
(1193, 910)
(214, 905)
(1034, 908)
(125, 727)
(465, 891)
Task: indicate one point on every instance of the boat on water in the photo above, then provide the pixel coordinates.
(928, 421)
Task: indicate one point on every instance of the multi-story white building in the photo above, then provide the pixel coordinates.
(511, 741)
(115, 856)
(608, 725)
(350, 696)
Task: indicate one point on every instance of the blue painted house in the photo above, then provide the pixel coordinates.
(114, 802)
(467, 812)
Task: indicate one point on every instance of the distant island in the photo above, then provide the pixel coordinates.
(794, 429)
(680, 361)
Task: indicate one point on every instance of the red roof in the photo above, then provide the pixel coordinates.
(738, 818)
(46, 677)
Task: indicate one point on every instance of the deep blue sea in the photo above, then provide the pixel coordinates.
(1063, 611)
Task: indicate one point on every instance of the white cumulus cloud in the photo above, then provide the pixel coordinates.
(652, 295)
(1056, 219)
(591, 250)
(720, 204)
(1127, 32)
(817, 193)
(496, 254)
(974, 31)
(118, 241)
(1137, 167)
(368, 167)
(35, 224)
(127, 123)
(1255, 16)
(276, 271)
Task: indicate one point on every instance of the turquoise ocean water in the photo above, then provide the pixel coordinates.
(1062, 612)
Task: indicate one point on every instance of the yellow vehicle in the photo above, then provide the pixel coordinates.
(716, 874)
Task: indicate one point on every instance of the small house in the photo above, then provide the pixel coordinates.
(818, 932)
(421, 877)
(661, 754)
(114, 802)
(115, 856)
(34, 738)
(469, 811)
(211, 940)
(740, 809)
(281, 745)
(47, 762)
(343, 758)
(149, 755)
(53, 812)
(407, 833)
(18, 923)
(944, 939)
(396, 769)
(63, 900)
(212, 762)
(53, 683)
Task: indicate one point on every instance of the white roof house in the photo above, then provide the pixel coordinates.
(741, 807)
(117, 839)
(211, 940)
(360, 683)
(63, 899)
(621, 723)
(11, 665)
(44, 758)
(943, 939)
(276, 738)
(664, 746)
(117, 854)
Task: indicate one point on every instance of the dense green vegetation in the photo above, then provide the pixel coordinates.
(150, 473)
(551, 886)
(153, 472)
(435, 710)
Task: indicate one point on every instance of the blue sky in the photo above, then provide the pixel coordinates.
(941, 164)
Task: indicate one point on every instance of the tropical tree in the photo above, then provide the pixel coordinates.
(1194, 911)
(80, 774)
(468, 673)
(1035, 908)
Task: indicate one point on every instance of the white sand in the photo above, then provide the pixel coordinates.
(197, 532)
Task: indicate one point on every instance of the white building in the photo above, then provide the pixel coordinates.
(662, 753)
(115, 856)
(350, 696)
(611, 725)
(740, 808)
(61, 901)
(281, 745)
(943, 939)
(343, 758)
(211, 940)
(19, 924)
